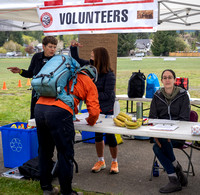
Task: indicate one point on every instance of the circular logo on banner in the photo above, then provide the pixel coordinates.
(46, 19)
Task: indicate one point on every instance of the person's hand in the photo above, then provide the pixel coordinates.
(75, 44)
(87, 119)
(14, 69)
(77, 120)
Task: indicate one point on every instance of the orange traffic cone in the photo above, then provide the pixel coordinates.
(28, 82)
(4, 86)
(19, 84)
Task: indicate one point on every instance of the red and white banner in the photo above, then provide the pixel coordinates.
(60, 17)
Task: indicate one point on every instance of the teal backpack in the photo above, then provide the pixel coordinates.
(54, 76)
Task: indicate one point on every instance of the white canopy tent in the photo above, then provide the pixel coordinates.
(21, 15)
(179, 15)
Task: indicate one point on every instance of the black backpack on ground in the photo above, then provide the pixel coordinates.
(136, 85)
(30, 169)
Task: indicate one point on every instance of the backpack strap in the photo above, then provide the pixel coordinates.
(82, 72)
(79, 107)
(74, 82)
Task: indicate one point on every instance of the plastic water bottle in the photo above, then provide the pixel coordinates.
(156, 169)
(116, 108)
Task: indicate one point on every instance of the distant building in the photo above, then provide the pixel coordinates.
(38, 48)
(143, 46)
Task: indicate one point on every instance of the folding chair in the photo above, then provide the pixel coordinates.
(193, 118)
(189, 156)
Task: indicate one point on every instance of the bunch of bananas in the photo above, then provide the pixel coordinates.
(121, 118)
(133, 124)
(124, 120)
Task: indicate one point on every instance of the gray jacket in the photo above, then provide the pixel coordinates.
(178, 109)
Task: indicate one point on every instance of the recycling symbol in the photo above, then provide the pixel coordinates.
(16, 145)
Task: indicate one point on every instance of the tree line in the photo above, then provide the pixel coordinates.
(163, 42)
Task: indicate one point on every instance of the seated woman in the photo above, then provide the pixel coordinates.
(170, 102)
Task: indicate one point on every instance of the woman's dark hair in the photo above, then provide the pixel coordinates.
(49, 39)
(101, 60)
(173, 73)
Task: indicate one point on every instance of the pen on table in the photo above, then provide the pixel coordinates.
(98, 122)
(149, 124)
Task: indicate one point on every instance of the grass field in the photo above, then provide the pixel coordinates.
(15, 102)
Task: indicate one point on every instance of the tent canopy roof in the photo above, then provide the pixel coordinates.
(18, 15)
(179, 15)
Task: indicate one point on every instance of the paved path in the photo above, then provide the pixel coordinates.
(135, 161)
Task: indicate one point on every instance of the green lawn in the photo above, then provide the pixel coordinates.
(15, 102)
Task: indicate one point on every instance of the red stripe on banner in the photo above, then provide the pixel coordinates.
(100, 4)
(93, 1)
(52, 3)
(96, 29)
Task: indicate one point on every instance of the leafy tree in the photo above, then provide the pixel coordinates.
(18, 47)
(2, 50)
(61, 37)
(12, 46)
(28, 39)
(193, 45)
(126, 42)
(16, 37)
(67, 39)
(143, 35)
(163, 43)
(197, 33)
(38, 35)
(180, 44)
(34, 43)
(23, 51)
(8, 36)
(198, 38)
(29, 49)
(3, 37)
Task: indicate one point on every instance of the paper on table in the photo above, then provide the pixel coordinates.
(83, 116)
(164, 127)
(163, 121)
(81, 122)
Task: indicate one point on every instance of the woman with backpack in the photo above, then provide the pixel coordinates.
(106, 90)
(55, 128)
(170, 102)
